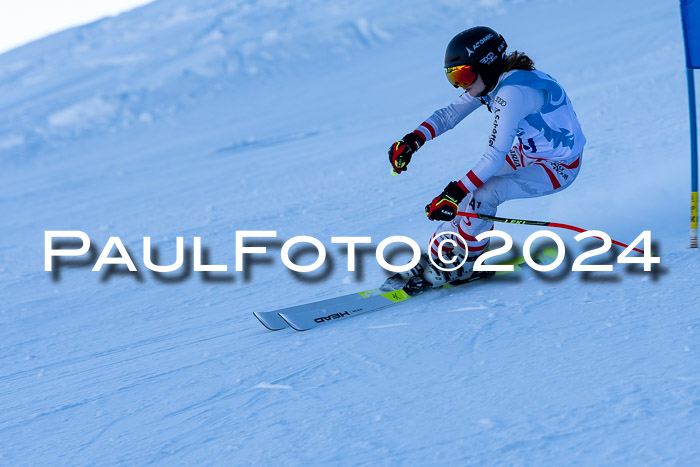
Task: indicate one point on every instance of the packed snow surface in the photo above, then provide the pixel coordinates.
(192, 119)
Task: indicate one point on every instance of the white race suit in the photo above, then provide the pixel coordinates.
(546, 158)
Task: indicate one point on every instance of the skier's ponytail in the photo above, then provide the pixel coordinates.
(513, 61)
(517, 61)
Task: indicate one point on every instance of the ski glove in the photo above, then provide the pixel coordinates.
(445, 206)
(401, 151)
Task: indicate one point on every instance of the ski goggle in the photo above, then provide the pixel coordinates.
(461, 75)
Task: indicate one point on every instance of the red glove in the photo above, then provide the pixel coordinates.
(445, 206)
(401, 151)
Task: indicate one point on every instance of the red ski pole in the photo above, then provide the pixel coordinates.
(539, 223)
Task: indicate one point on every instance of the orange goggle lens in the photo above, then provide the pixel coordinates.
(461, 75)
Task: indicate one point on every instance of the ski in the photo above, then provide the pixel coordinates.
(274, 322)
(310, 315)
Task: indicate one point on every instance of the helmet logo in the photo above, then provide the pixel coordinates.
(469, 51)
(488, 59)
(482, 40)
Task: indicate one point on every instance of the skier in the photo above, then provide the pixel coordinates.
(527, 104)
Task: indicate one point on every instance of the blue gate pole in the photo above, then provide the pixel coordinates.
(693, 161)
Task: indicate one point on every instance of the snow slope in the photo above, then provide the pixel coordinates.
(188, 119)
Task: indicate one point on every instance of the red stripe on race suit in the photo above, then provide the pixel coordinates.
(459, 240)
(477, 249)
(510, 161)
(462, 186)
(479, 246)
(573, 165)
(447, 247)
(464, 234)
(474, 179)
(435, 253)
(430, 128)
(552, 178)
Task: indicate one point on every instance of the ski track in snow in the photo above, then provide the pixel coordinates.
(173, 120)
(387, 326)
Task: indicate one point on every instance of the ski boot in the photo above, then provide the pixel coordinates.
(400, 279)
(434, 277)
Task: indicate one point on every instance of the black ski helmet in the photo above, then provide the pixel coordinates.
(482, 48)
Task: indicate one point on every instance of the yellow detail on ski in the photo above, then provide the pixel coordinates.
(396, 296)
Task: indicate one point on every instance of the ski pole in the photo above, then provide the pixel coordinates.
(540, 223)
